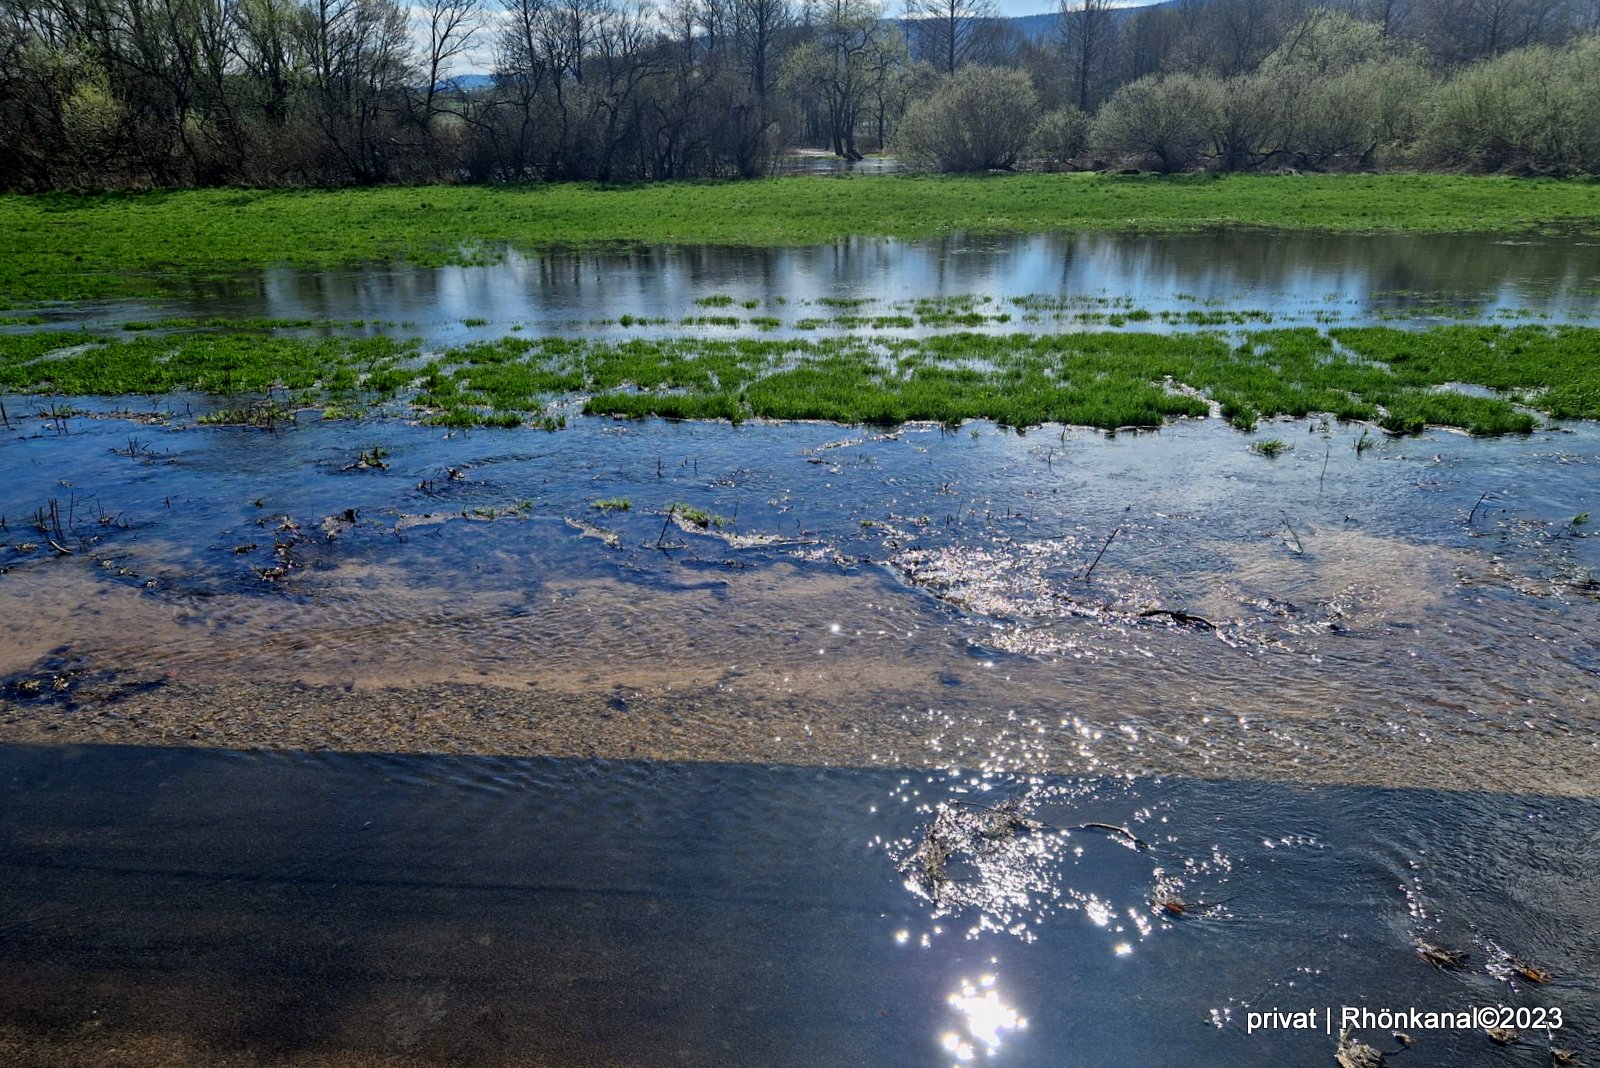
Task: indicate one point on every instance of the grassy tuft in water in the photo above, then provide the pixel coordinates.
(1402, 381)
(1553, 369)
(697, 517)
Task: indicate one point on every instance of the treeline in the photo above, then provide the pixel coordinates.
(1338, 94)
(139, 93)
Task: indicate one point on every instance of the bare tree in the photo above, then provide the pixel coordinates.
(948, 32)
(1149, 38)
(451, 27)
(360, 63)
(1392, 15)
(757, 26)
(838, 66)
(1459, 31)
(1088, 33)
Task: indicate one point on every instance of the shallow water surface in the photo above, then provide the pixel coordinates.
(1291, 278)
(384, 910)
(1056, 600)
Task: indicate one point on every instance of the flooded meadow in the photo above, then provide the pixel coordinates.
(344, 738)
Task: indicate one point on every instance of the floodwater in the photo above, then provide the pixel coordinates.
(188, 906)
(821, 161)
(1297, 279)
(436, 762)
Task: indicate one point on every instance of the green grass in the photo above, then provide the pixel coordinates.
(63, 247)
(225, 364)
(1556, 370)
(613, 504)
(1397, 379)
(1108, 380)
(698, 517)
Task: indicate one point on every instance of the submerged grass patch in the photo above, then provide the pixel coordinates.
(1400, 380)
(1554, 369)
(1107, 380)
(65, 246)
(223, 365)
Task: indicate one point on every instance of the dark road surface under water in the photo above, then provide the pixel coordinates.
(438, 763)
(168, 906)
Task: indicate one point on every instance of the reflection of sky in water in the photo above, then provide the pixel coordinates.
(1295, 277)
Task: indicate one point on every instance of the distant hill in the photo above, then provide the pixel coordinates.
(1032, 27)
(1036, 27)
(467, 82)
(1043, 26)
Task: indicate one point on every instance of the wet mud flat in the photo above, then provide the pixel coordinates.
(216, 907)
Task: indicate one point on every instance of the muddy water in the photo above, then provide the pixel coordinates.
(1294, 278)
(918, 597)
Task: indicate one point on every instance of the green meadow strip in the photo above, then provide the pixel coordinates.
(66, 247)
(1400, 380)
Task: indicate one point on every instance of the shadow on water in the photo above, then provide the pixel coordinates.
(213, 907)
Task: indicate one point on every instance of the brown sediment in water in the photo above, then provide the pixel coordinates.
(1376, 676)
(898, 730)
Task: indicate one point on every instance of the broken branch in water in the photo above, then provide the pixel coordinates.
(1297, 546)
(1089, 574)
(665, 524)
(1111, 828)
(1474, 513)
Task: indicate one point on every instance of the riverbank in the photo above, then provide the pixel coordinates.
(60, 247)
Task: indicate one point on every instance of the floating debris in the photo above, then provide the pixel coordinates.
(610, 538)
(1507, 966)
(1128, 836)
(373, 459)
(1441, 957)
(1182, 618)
(1531, 972)
(1354, 1053)
(1172, 904)
(962, 827)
